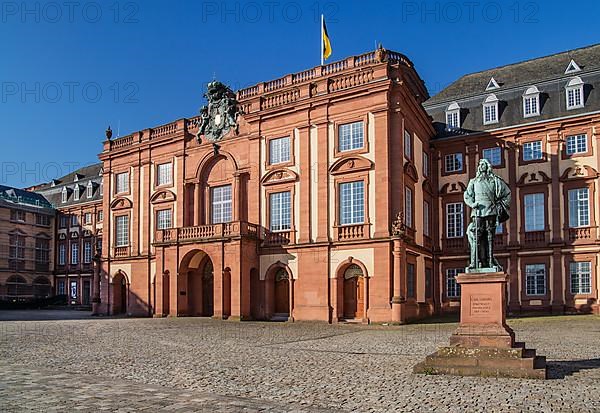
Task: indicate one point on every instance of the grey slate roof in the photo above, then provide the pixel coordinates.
(520, 74)
(546, 73)
(22, 197)
(52, 191)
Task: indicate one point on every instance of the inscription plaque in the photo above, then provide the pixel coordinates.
(481, 305)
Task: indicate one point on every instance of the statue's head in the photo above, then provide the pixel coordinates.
(484, 167)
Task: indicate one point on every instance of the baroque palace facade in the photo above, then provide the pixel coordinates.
(336, 194)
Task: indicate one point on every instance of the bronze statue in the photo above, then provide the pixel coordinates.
(489, 198)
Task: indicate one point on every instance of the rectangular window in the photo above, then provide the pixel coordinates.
(60, 287)
(535, 212)
(221, 204)
(122, 182)
(87, 252)
(535, 279)
(530, 106)
(74, 253)
(452, 119)
(42, 254)
(490, 113)
(164, 219)
(574, 98)
(165, 174)
(408, 209)
(428, 283)
(62, 252)
(281, 211)
(452, 287)
(279, 150)
(407, 145)
(74, 221)
(63, 221)
(122, 231)
(352, 203)
(532, 151)
(454, 220)
(425, 164)
(579, 208)
(73, 290)
(87, 218)
(426, 218)
(16, 252)
(351, 136)
(493, 155)
(100, 216)
(64, 195)
(581, 277)
(18, 216)
(576, 144)
(410, 280)
(454, 162)
(42, 220)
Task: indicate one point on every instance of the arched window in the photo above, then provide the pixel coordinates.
(16, 286)
(281, 274)
(352, 271)
(453, 115)
(531, 102)
(41, 287)
(574, 93)
(490, 109)
(76, 193)
(65, 195)
(90, 189)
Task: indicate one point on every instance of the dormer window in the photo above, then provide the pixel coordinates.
(492, 85)
(65, 195)
(531, 102)
(453, 116)
(490, 110)
(572, 67)
(76, 193)
(574, 93)
(90, 189)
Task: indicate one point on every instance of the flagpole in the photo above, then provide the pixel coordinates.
(322, 40)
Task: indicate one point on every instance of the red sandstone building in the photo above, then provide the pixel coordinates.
(338, 195)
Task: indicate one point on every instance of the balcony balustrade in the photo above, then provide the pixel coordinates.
(577, 234)
(352, 232)
(205, 233)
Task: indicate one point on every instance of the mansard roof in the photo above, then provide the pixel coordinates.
(22, 197)
(81, 177)
(520, 74)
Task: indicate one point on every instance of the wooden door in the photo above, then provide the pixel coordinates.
(207, 295)
(350, 297)
(282, 296)
(360, 297)
(123, 288)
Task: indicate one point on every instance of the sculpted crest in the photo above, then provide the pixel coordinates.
(220, 115)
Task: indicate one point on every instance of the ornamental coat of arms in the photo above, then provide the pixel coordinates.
(220, 115)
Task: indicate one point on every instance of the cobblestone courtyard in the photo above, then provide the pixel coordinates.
(191, 364)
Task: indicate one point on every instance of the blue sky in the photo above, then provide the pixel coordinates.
(69, 69)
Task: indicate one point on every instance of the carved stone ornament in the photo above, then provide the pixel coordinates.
(220, 115)
(398, 227)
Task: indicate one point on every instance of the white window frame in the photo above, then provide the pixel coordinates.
(164, 219)
(352, 203)
(87, 252)
(221, 199)
(534, 207)
(74, 220)
(351, 136)
(534, 273)
(453, 162)
(576, 144)
(496, 152)
(164, 174)
(122, 231)
(452, 287)
(531, 102)
(529, 148)
(122, 182)
(426, 218)
(455, 227)
(279, 150)
(574, 94)
(408, 144)
(74, 253)
(62, 254)
(426, 164)
(64, 195)
(408, 207)
(87, 218)
(580, 277)
(453, 116)
(280, 204)
(490, 110)
(100, 216)
(90, 189)
(579, 207)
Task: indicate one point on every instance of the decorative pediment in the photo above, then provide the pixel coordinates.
(350, 164)
(121, 203)
(62, 236)
(162, 196)
(279, 176)
(74, 235)
(427, 187)
(453, 188)
(411, 171)
(579, 172)
(533, 178)
(87, 233)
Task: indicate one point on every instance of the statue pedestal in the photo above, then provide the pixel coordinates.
(483, 344)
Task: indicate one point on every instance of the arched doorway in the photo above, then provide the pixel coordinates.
(119, 286)
(17, 288)
(354, 299)
(200, 286)
(256, 297)
(282, 294)
(41, 287)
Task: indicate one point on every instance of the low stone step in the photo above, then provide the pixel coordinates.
(524, 373)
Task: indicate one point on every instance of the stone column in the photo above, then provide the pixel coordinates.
(398, 297)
